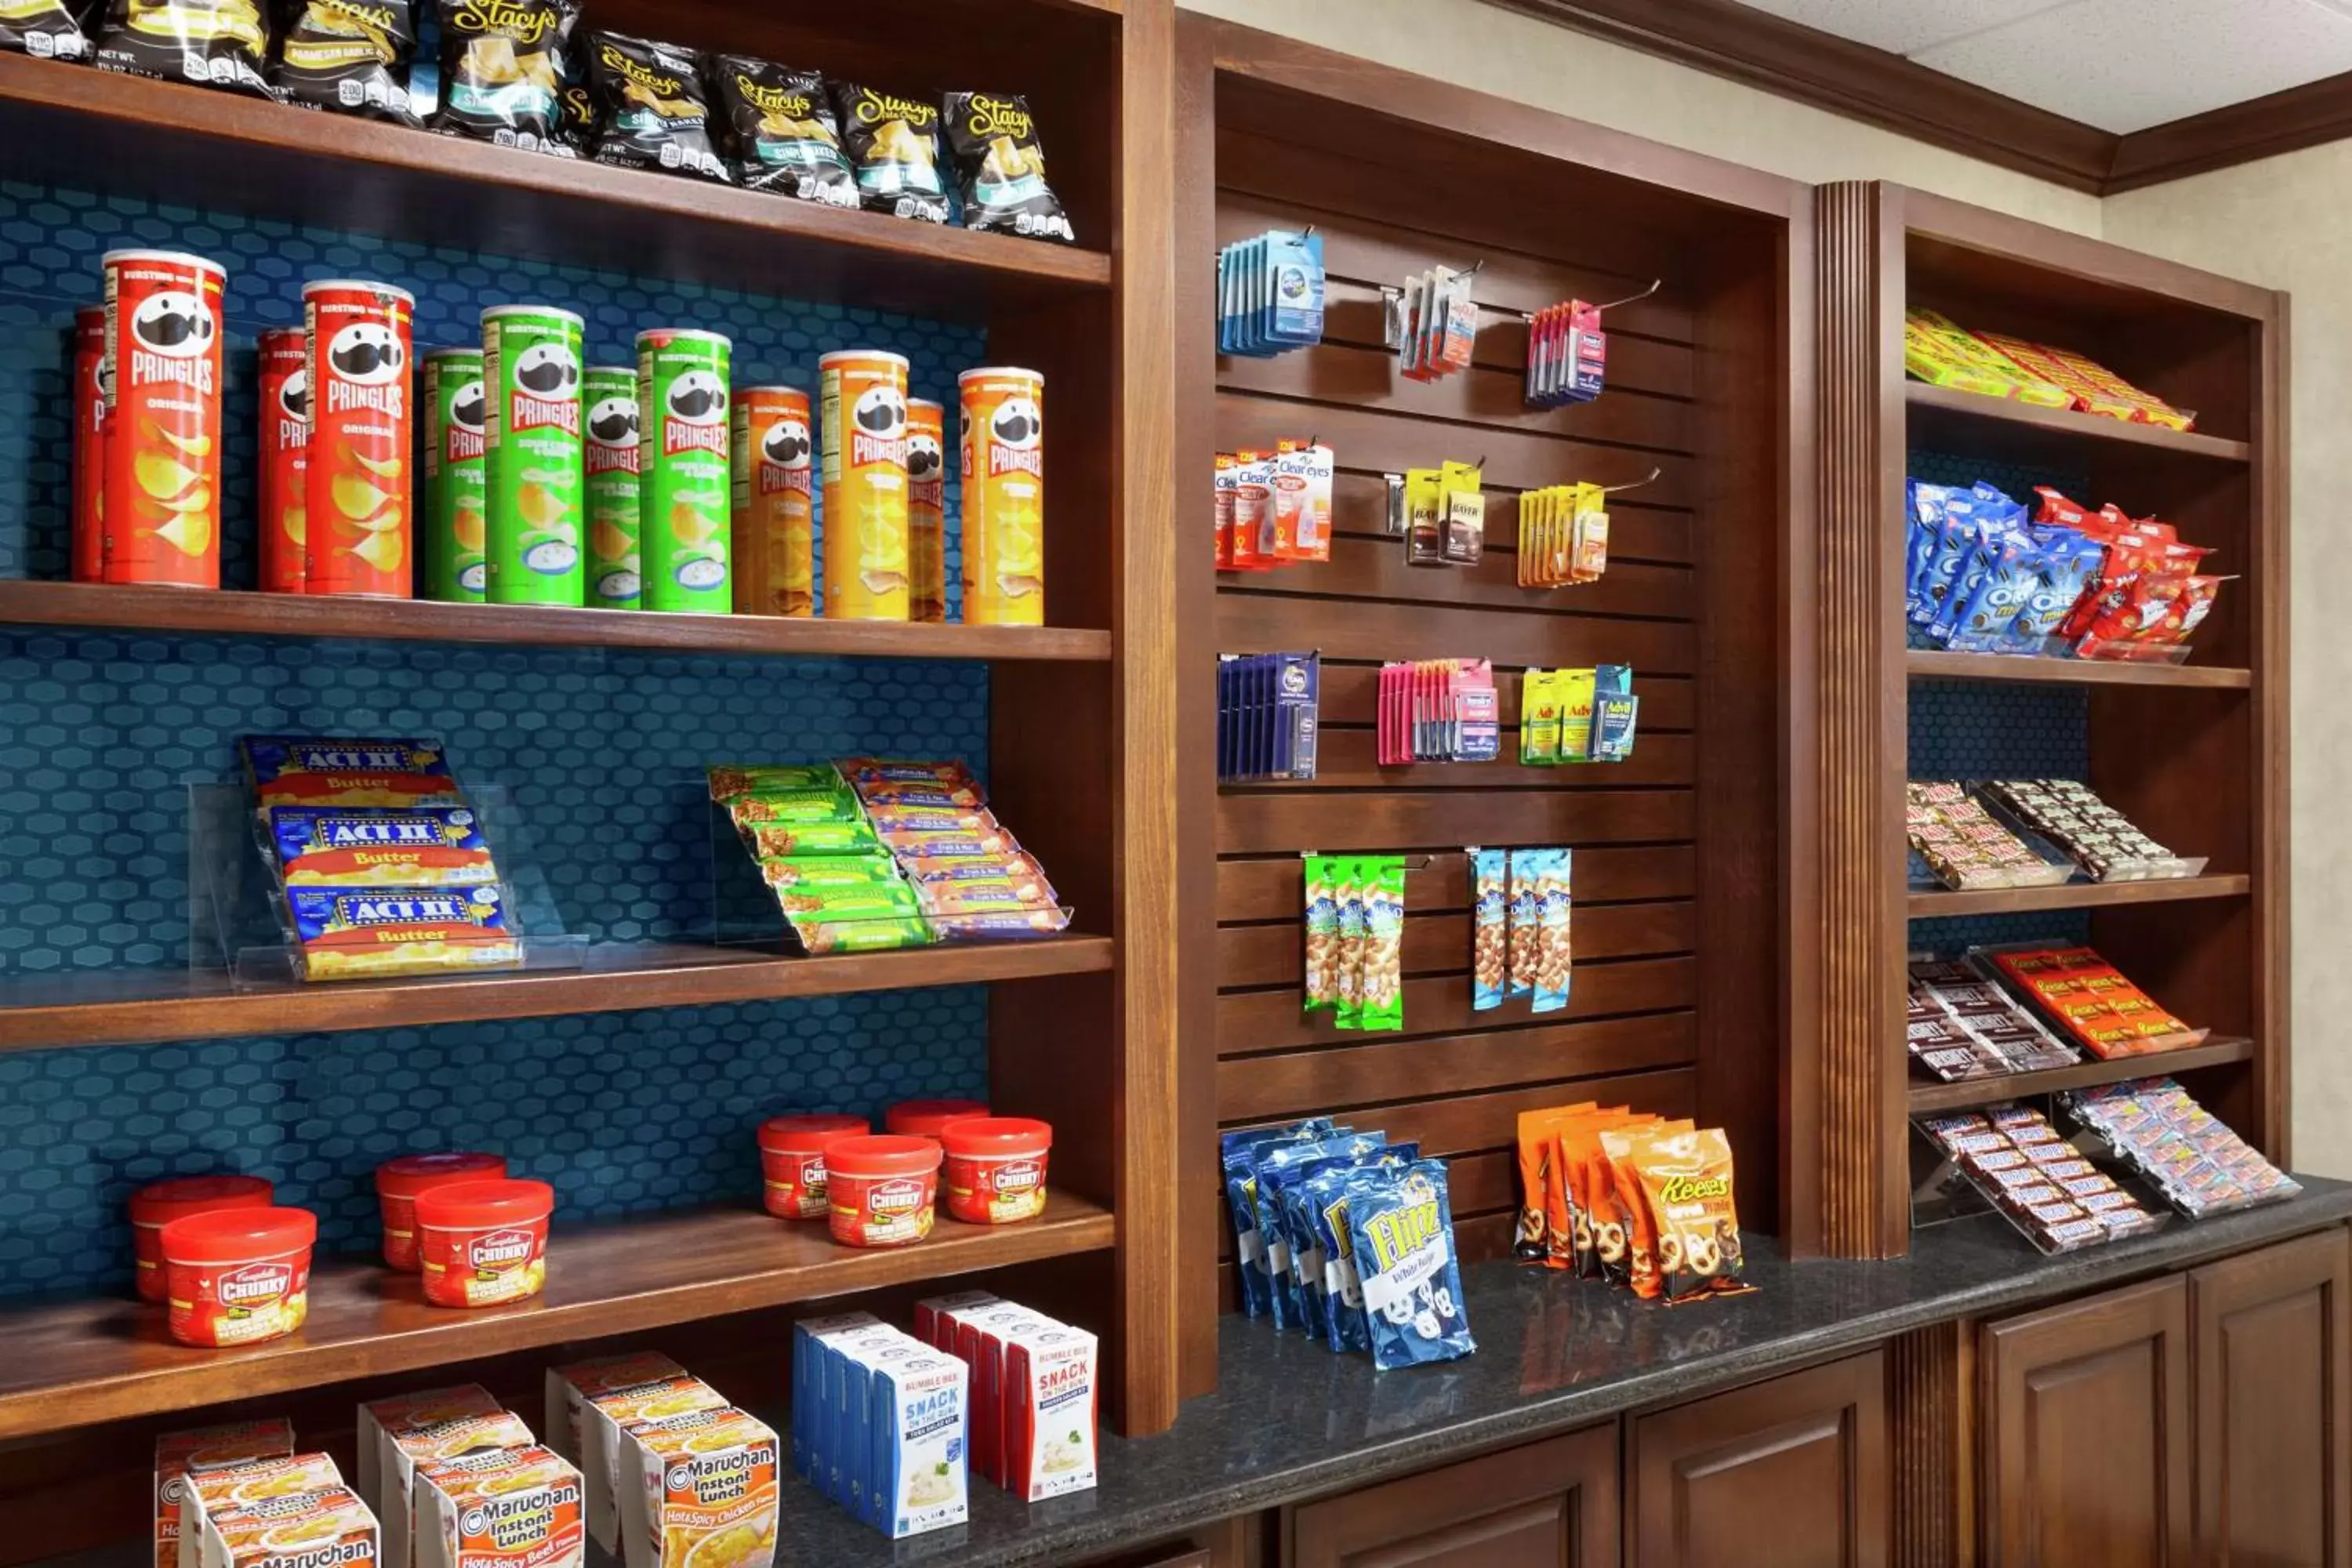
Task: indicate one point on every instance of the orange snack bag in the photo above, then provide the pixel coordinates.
(1568, 1235)
(1687, 1184)
(1620, 1222)
(1539, 1139)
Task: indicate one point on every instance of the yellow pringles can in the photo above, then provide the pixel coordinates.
(1003, 497)
(862, 405)
(927, 511)
(775, 555)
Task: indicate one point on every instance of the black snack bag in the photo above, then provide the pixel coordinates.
(221, 43)
(1002, 168)
(780, 131)
(893, 148)
(650, 108)
(46, 29)
(347, 55)
(502, 69)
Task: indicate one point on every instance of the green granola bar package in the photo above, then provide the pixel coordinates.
(1381, 877)
(1347, 970)
(1322, 967)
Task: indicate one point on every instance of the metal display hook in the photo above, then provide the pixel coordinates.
(1649, 478)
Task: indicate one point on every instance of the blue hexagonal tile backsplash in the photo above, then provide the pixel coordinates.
(102, 734)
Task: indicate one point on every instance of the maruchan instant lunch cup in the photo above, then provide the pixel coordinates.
(537, 462)
(880, 1191)
(926, 511)
(237, 1277)
(862, 409)
(484, 1243)
(615, 568)
(284, 488)
(362, 405)
(163, 380)
(89, 444)
(398, 1182)
(924, 1118)
(453, 534)
(1003, 497)
(996, 1168)
(158, 1204)
(792, 1160)
(685, 491)
(775, 525)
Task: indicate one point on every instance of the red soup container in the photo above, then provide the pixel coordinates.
(157, 1205)
(792, 1160)
(484, 1243)
(397, 1182)
(237, 1277)
(880, 1191)
(924, 1118)
(996, 1168)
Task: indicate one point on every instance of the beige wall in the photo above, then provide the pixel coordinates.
(2282, 223)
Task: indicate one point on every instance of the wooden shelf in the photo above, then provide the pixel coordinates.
(533, 625)
(2074, 896)
(1927, 1097)
(1930, 664)
(1967, 416)
(77, 1362)
(115, 1008)
(165, 140)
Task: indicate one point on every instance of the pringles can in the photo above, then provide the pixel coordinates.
(615, 576)
(363, 412)
(456, 533)
(283, 489)
(89, 555)
(536, 464)
(927, 511)
(775, 524)
(862, 400)
(684, 489)
(164, 377)
(1003, 497)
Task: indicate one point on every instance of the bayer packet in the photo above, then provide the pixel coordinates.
(1400, 1228)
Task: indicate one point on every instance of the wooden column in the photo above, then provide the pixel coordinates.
(1931, 1414)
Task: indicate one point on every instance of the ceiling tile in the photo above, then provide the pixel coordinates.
(1901, 26)
(2125, 65)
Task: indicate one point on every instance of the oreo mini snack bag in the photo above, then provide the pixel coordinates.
(1401, 1231)
(779, 128)
(894, 149)
(1002, 168)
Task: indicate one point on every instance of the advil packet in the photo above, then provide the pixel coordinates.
(510, 1508)
(181, 1455)
(706, 1492)
(1401, 1225)
(242, 1487)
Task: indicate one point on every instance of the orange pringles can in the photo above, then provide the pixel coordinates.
(927, 511)
(89, 444)
(1003, 497)
(163, 496)
(363, 415)
(774, 523)
(862, 400)
(285, 456)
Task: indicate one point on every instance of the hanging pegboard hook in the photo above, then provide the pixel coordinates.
(1655, 284)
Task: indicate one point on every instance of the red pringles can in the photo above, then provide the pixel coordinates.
(357, 527)
(285, 457)
(162, 497)
(89, 444)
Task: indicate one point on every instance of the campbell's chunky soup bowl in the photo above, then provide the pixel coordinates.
(397, 1182)
(996, 1168)
(792, 1160)
(235, 1277)
(880, 1191)
(924, 1118)
(483, 1244)
(158, 1204)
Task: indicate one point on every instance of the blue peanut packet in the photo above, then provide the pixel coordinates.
(1274, 1169)
(1401, 1229)
(1302, 1197)
(1237, 1156)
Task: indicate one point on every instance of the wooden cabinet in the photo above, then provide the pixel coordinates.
(2272, 1431)
(1551, 1504)
(2085, 1440)
(1787, 1474)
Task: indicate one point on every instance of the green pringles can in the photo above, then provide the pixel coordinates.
(615, 573)
(531, 369)
(686, 481)
(456, 482)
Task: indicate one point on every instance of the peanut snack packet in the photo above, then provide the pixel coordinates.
(1570, 1241)
(1490, 896)
(1617, 1203)
(1347, 896)
(1686, 1181)
(1524, 936)
(1322, 935)
(1381, 877)
(1539, 1143)
(1553, 946)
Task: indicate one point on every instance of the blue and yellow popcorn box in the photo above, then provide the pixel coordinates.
(386, 846)
(369, 933)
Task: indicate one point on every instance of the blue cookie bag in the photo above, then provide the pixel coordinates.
(1400, 1228)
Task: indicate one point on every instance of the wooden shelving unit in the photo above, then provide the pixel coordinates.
(1938, 904)
(111, 1358)
(1933, 664)
(1923, 1097)
(1946, 414)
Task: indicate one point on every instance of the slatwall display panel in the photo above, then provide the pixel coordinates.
(1456, 1079)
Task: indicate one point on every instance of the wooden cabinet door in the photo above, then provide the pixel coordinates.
(2086, 1450)
(1551, 1504)
(1786, 1474)
(2274, 1405)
